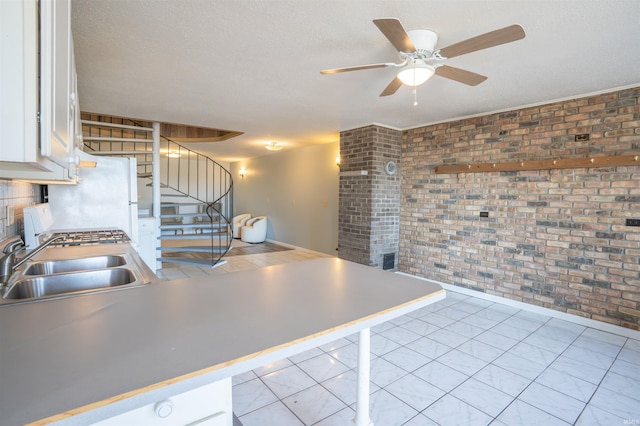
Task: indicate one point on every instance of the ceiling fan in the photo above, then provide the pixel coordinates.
(420, 59)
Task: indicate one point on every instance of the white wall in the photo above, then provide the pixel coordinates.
(297, 190)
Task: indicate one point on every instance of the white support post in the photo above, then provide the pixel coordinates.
(155, 183)
(362, 392)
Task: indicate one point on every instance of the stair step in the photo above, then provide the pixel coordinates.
(119, 126)
(114, 139)
(121, 152)
(202, 215)
(164, 194)
(170, 204)
(192, 236)
(191, 261)
(172, 227)
(193, 249)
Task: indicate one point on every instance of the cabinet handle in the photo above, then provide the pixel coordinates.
(163, 409)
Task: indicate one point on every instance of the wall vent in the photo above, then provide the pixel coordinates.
(388, 261)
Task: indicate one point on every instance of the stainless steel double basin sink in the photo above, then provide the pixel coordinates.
(47, 279)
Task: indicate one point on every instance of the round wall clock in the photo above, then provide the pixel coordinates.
(390, 168)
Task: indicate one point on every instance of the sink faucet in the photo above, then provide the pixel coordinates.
(8, 262)
(10, 247)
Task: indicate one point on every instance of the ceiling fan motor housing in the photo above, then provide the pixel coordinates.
(424, 41)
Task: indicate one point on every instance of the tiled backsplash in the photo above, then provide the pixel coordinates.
(19, 195)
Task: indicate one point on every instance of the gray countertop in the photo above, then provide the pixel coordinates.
(97, 355)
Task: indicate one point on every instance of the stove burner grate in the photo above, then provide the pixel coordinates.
(93, 236)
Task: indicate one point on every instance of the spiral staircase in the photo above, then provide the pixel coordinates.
(192, 192)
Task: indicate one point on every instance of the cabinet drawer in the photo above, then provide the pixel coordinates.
(209, 405)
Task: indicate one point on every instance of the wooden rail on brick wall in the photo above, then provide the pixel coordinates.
(566, 163)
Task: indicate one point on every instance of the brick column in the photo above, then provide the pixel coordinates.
(369, 205)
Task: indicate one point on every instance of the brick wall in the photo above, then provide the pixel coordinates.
(369, 206)
(553, 238)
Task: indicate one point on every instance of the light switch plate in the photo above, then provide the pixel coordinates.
(10, 216)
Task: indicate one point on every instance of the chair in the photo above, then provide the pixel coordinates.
(238, 222)
(255, 231)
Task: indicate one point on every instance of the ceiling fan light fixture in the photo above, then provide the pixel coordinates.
(416, 74)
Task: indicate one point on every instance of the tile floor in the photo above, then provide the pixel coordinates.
(461, 361)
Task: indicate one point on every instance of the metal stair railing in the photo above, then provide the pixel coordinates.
(199, 177)
(182, 170)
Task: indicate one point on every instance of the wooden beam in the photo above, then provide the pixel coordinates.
(560, 163)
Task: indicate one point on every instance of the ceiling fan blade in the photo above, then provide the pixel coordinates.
(483, 41)
(394, 31)
(357, 68)
(392, 87)
(462, 76)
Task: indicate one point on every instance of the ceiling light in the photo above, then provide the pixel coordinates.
(416, 73)
(273, 146)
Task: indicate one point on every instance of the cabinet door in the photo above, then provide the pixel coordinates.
(147, 241)
(77, 119)
(20, 152)
(58, 97)
(18, 82)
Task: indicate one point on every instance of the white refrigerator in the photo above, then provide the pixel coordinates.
(106, 196)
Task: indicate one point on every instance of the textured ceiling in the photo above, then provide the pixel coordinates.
(253, 65)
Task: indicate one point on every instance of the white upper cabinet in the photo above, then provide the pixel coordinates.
(18, 80)
(38, 125)
(58, 99)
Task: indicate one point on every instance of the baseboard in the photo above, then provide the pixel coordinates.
(587, 322)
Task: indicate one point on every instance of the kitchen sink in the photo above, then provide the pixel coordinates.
(56, 284)
(69, 277)
(71, 265)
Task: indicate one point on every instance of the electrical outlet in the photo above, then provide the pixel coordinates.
(633, 222)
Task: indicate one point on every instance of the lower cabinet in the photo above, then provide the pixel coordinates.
(209, 405)
(147, 241)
